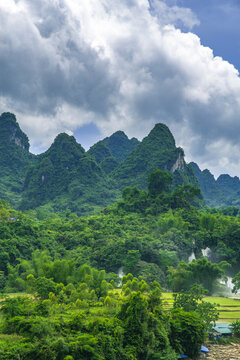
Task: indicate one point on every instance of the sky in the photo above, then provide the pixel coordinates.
(92, 67)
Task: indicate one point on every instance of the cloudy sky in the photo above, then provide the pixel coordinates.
(92, 67)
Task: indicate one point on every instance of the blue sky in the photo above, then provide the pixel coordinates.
(93, 67)
(219, 26)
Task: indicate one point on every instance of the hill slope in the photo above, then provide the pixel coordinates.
(67, 177)
(225, 191)
(120, 145)
(14, 158)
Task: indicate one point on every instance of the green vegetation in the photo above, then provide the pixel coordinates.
(14, 158)
(69, 302)
(228, 308)
(77, 307)
(77, 312)
(156, 151)
(67, 178)
(120, 146)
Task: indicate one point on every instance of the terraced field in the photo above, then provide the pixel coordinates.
(229, 307)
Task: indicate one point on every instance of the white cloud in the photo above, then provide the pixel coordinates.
(173, 15)
(65, 63)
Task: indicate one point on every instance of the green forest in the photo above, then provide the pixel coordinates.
(62, 297)
(91, 243)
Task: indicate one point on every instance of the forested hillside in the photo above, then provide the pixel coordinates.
(222, 192)
(70, 301)
(144, 234)
(14, 158)
(67, 178)
(156, 151)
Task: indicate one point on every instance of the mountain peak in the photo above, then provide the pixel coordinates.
(10, 131)
(120, 145)
(65, 142)
(162, 135)
(119, 133)
(156, 151)
(229, 183)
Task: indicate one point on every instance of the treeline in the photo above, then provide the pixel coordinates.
(149, 234)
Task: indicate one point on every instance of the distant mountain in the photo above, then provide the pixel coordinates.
(211, 191)
(103, 156)
(225, 191)
(112, 150)
(120, 145)
(66, 176)
(229, 184)
(14, 158)
(100, 151)
(156, 151)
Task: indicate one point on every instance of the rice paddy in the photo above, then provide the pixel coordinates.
(229, 308)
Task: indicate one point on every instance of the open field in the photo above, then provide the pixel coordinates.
(229, 307)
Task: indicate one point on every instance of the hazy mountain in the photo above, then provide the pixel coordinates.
(225, 191)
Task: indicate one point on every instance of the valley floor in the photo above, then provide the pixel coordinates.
(224, 352)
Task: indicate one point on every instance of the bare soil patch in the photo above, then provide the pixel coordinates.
(224, 352)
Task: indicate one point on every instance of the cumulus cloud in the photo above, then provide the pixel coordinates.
(120, 65)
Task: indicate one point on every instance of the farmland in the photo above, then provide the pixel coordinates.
(229, 308)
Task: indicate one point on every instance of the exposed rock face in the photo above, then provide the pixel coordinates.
(179, 164)
(10, 131)
(18, 140)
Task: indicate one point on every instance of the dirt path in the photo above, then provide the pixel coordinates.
(224, 352)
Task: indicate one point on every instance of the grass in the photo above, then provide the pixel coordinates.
(229, 308)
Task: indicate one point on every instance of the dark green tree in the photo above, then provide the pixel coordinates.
(158, 182)
(187, 332)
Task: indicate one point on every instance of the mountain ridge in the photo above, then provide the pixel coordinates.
(69, 178)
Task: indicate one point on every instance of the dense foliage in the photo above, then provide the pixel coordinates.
(156, 151)
(77, 306)
(66, 300)
(148, 236)
(79, 313)
(67, 178)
